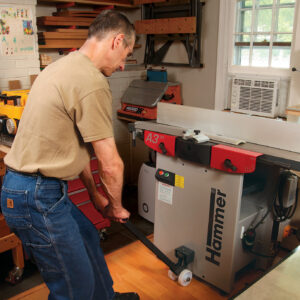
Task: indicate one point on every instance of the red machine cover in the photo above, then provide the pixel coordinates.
(233, 160)
(159, 141)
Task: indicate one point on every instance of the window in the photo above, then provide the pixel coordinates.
(263, 33)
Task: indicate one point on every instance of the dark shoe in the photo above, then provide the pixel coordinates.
(126, 296)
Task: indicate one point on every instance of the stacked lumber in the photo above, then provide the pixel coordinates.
(65, 30)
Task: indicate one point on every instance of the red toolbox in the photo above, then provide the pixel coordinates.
(80, 197)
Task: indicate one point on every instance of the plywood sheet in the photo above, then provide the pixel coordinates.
(79, 13)
(258, 130)
(166, 26)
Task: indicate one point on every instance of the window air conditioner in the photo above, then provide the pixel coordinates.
(255, 96)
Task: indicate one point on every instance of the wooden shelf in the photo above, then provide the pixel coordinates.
(121, 3)
(67, 44)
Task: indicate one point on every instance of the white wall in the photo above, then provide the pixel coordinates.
(20, 67)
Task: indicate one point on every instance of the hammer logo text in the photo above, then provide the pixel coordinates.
(215, 226)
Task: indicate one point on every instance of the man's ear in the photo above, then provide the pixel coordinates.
(118, 40)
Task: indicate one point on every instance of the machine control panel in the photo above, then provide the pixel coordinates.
(165, 176)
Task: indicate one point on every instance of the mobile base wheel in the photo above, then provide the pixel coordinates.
(185, 277)
(172, 275)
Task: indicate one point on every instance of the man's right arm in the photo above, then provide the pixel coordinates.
(111, 170)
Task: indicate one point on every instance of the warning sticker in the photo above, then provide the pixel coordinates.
(179, 181)
(165, 193)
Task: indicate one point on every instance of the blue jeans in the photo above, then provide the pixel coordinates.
(61, 240)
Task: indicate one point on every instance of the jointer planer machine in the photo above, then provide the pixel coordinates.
(227, 203)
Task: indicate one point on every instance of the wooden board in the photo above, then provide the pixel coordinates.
(76, 15)
(121, 3)
(258, 130)
(166, 26)
(64, 19)
(69, 30)
(138, 2)
(64, 44)
(63, 23)
(67, 21)
(80, 13)
(62, 35)
(4, 229)
(71, 12)
(8, 242)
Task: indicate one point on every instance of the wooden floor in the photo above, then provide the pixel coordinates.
(135, 268)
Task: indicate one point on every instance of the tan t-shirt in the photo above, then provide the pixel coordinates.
(69, 105)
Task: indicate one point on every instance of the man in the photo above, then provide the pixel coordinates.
(68, 114)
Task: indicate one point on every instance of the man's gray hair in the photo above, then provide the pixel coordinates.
(109, 21)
